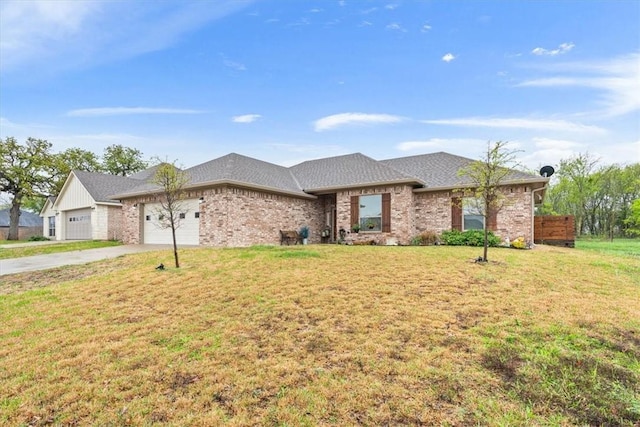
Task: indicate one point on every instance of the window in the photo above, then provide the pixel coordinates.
(472, 217)
(52, 226)
(183, 215)
(197, 214)
(372, 212)
(148, 217)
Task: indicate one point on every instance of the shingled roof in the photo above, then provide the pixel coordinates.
(27, 219)
(440, 170)
(101, 186)
(427, 171)
(236, 168)
(352, 170)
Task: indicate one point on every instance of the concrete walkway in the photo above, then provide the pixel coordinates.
(43, 262)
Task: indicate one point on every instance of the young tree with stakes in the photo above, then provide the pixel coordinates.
(171, 181)
(486, 177)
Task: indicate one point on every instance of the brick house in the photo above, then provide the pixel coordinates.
(236, 200)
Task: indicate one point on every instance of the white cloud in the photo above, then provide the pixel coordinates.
(394, 26)
(246, 118)
(425, 28)
(235, 65)
(119, 111)
(560, 144)
(307, 148)
(391, 6)
(563, 48)
(618, 79)
(70, 34)
(448, 57)
(549, 151)
(337, 120)
(519, 123)
(365, 24)
(433, 143)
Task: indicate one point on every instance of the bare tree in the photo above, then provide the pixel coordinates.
(487, 176)
(171, 195)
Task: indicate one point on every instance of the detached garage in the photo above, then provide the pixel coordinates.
(83, 209)
(157, 230)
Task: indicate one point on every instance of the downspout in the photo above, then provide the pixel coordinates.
(533, 207)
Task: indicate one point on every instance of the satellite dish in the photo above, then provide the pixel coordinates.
(547, 171)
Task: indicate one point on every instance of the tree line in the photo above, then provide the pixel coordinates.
(31, 171)
(604, 199)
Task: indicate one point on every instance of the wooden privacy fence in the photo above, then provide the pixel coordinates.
(554, 230)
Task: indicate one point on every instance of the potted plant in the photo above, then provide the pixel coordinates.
(370, 225)
(304, 234)
(355, 228)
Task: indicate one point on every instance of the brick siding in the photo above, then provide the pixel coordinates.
(235, 217)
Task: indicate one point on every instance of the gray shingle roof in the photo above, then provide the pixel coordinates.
(101, 186)
(146, 174)
(440, 170)
(27, 219)
(352, 170)
(436, 170)
(242, 169)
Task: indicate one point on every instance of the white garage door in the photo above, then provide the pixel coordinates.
(78, 224)
(187, 233)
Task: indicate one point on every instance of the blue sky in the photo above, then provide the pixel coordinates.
(292, 80)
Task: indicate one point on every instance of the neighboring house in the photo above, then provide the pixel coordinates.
(29, 225)
(83, 209)
(236, 200)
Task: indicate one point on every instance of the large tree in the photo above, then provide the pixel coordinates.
(171, 181)
(124, 161)
(599, 197)
(62, 164)
(25, 172)
(486, 176)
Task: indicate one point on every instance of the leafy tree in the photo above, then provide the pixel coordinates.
(633, 220)
(25, 172)
(579, 187)
(124, 161)
(487, 175)
(171, 181)
(599, 197)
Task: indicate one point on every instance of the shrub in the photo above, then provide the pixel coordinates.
(468, 238)
(519, 243)
(38, 239)
(426, 238)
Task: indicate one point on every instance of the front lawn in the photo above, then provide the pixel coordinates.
(54, 247)
(326, 335)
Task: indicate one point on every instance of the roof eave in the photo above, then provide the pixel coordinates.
(542, 181)
(217, 183)
(333, 189)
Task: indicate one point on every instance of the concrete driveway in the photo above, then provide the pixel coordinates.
(43, 262)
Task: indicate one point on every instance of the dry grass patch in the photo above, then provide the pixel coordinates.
(328, 335)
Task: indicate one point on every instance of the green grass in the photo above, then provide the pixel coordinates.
(326, 335)
(629, 247)
(51, 248)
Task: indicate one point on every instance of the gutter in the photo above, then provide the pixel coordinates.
(533, 203)
(210, 184)
(333, 189)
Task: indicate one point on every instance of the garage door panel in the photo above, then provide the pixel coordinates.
(187, 233)
(78, 224)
